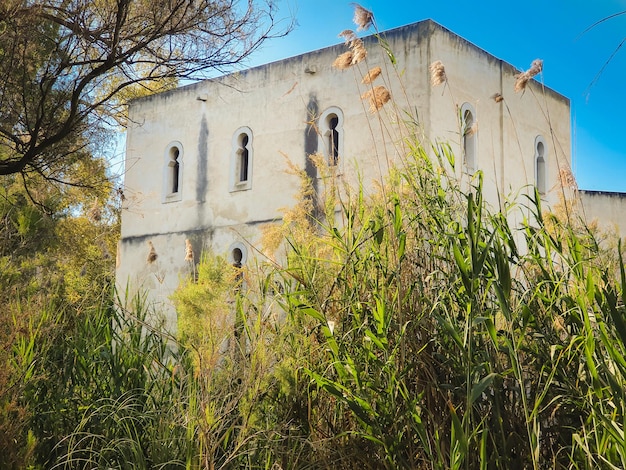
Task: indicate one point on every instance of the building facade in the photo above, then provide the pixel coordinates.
(207, 162)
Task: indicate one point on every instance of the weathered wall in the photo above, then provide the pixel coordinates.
(607, 209)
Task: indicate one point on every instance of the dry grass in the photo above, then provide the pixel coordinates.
(359, 52)
(437, 73)
(523, 78)
(188, 251)
(343, 61)
(471, 130)
(348, 35)
(152, 254)
(377, 97)
(567, 178)
(372, 75)
(362, 18)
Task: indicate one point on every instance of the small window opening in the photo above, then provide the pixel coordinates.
(333, 139)
(237, 257)
(244, 157)
(469, 139)
(175, 168)
(241, 160)
(540, 160)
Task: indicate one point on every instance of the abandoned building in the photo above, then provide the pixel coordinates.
(206, 162)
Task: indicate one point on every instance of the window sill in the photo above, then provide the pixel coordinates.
(172, 197)
(241, 186)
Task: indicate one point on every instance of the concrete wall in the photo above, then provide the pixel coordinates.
(607, 209)
(280, 104)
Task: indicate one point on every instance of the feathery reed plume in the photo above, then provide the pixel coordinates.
(471, 130)
(362, 18)
(372, 75)
(359, 52)
(377, 97)
(437, 73)
(152, 254)
(356, 54)
(95, 213)
(568, 180)
(348, 35)
(343, 61)
(523, 78)
(535, 68)
(188, 251)
(497, 97)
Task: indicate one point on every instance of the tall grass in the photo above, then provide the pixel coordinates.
(102, 389)
(420, 330)
(408, 327)
(435, 334)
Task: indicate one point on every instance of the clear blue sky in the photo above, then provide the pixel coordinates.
(517, 32)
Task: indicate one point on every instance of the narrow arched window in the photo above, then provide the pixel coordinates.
(244, 157)
(469, 129)
(237, 255)
(333, 139)
(241, 161)
(174, 169)
(331, 134)
(541, 167)
(173, 172)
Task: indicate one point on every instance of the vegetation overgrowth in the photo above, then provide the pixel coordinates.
(407, 327)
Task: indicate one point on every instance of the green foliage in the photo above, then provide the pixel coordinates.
(421, 330)
(101, 390)
(412, 328)
(55, 262)
(441, 336)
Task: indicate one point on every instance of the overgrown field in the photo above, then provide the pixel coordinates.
(411, 326)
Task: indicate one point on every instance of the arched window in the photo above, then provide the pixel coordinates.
(541, 166)
(469, 129)
(331, 134)
(241, 162)
(244, 157)
(237, 257)
(333, 139)
(173, 172)
(175, 168)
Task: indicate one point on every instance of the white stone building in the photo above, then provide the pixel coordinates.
(206, 162)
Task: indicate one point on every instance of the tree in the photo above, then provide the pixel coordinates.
(66, 65)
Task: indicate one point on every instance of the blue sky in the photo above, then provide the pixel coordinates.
(517, 32)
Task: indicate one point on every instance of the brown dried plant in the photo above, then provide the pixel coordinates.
(372, 75)
(343, 61)
(471, 130)
(437, 73)
(359, 52)
(188, 251)
(362, 18)
(356, 54)
(152, 254)
(348, 35)
(568, 180)
(377, 97)
(522, 79)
